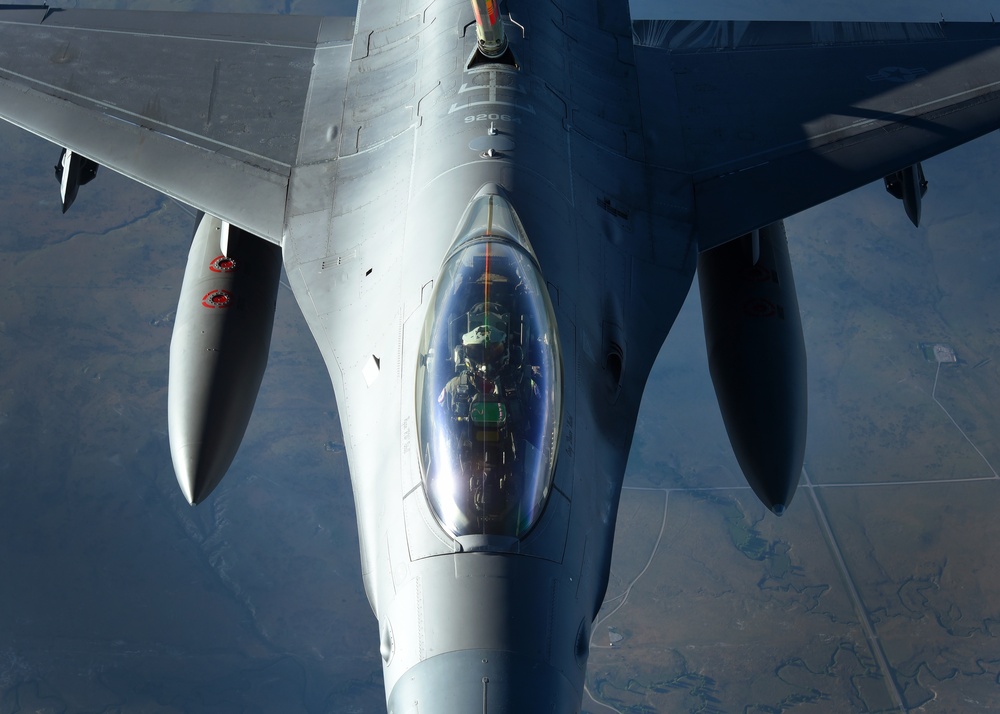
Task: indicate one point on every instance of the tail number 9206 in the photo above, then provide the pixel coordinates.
(492, 117)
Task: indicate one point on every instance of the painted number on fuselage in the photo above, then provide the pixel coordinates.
(492, 117)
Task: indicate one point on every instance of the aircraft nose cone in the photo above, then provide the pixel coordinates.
(484, 681)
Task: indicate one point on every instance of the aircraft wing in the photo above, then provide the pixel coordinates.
(205, 108)
(771, 118)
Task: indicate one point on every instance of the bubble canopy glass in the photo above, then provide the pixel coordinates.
(489, 380)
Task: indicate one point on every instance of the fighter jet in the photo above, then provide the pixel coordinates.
(490, 215)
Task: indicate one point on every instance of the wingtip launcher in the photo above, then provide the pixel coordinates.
(73, 171)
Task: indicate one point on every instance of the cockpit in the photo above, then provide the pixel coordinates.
(489, 381)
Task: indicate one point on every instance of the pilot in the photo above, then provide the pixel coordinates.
(486, 351)
(483, 357)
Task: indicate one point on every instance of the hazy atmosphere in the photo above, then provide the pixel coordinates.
(876, 592)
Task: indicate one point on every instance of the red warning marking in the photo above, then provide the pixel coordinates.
(759, 307)
(222, 264)
(760, 274)
(217, 298)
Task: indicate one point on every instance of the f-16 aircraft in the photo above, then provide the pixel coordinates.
(490, 215)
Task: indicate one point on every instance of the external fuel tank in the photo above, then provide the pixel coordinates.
(757, 358)
(218, 351)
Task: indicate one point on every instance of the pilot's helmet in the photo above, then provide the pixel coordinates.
(485, 349)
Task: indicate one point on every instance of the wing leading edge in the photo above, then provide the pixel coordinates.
(205, 108)
(771, 118)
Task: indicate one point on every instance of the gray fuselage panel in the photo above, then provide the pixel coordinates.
(560, 134)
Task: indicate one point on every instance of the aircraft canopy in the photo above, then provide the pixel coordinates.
(489, 385)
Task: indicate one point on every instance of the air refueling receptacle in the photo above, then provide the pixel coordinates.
(489, 28)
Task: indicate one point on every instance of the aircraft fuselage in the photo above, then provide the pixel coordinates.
(490, 617)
